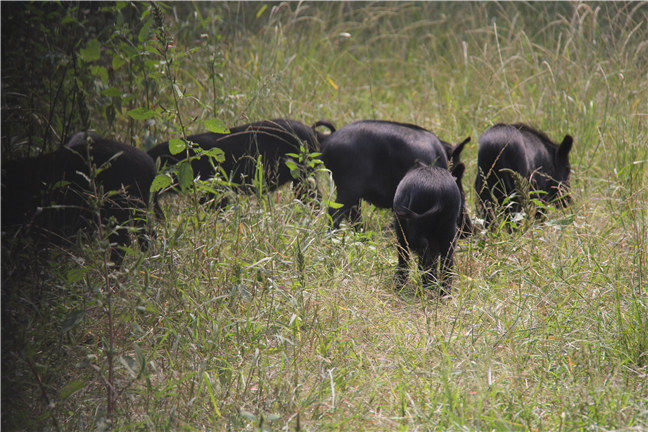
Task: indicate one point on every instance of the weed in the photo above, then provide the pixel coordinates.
(258, 316)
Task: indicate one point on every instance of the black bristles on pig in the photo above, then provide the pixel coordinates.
(427, 208)
(368, 159)
(271, 140)
(53, 192)
(505, 149)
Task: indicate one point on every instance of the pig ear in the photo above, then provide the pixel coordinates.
(456, 150)
(458, 171)
(564, 149)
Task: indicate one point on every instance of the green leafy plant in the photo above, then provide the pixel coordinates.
(258, 315)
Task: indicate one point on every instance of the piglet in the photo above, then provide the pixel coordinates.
(427, 207)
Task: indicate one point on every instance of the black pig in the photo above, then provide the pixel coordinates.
(272, 140)
(321, 136)
(51, 192)
(427, 208)
(528, 152)
(368, 159)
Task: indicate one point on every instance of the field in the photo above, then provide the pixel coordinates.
(259, 316)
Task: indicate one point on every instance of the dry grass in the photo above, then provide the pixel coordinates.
(258, 316)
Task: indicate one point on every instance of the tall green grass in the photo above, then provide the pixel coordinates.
(259, 317)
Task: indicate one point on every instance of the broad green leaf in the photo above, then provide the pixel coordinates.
(141, 113)
(61, 184)
(129, 51)
(144, 32)
(100, 72)
(91, 51)
(176, 146)
(152, 64)
(117, 62)
(332, 204)
(216, 126)
(111, 91)
(68, 19)
(75, 275)
(217, 154)
(160, 181)
(185, 175)
(70, 388)
(72, 320)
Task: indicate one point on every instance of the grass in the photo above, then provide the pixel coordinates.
(259, 317)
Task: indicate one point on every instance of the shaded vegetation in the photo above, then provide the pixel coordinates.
(258, 316)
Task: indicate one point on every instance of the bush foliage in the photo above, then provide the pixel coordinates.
(257, 316)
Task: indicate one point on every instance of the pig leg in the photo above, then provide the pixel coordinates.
(349, 209)
(403, 256)
(507, 189)
(447, 262)
(354, 214)
(428, 264)
(540, 212)
(464, 224)
(484, 199)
